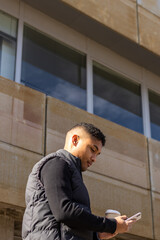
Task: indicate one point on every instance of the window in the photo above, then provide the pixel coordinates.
(154, 104)
(117, 99)
(8, 33)
(53, 68)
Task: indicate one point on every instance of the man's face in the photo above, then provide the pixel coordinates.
(87, 149)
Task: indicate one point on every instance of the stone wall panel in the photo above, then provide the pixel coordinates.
(154, 157)
(149, 34)
(22, 116)
(107, 193)
(152, 6)
(15, 167)
(119, 15)
(156, 211)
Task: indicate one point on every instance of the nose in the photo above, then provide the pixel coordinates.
(93, 157)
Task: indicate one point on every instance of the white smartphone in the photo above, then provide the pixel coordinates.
(136, 216)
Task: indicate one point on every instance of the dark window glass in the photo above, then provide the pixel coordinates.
(154, 103)
(117, 99)
(53, 68)
(8, 34)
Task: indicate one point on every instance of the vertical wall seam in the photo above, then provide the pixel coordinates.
(150, 183)
(137, 18)
(45, 125)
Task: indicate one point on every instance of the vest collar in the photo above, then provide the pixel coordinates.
(71, 157)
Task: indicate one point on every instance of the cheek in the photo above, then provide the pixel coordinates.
(86, 155)
(82, 151)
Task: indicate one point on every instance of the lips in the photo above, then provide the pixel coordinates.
(89, 164)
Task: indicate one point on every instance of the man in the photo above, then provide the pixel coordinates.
(57, 201)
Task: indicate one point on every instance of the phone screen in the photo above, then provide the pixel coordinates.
(136, 216)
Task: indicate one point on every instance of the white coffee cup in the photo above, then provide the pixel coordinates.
(110, 213)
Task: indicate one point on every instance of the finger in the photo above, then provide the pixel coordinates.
(130, 221)
(129, 227)
(124, 217)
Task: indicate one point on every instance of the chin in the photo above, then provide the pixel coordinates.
(83, 169)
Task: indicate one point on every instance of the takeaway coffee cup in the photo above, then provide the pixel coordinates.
(110, 213)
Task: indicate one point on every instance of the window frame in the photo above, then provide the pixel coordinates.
(9, 38)
(119, 76)
(156, 93)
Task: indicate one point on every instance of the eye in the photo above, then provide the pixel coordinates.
(93, 150)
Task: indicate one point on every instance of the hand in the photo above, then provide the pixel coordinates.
(105, 235)
(122, 225)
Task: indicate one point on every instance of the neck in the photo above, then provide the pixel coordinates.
(70, 150)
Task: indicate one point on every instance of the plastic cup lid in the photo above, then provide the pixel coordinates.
(109, 211)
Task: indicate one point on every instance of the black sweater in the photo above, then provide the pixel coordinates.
(68, 197)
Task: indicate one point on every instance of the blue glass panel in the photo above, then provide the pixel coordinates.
(53, 68)
(8, 33)
(117, 114)
(155, 131)
(117, 99)
(154, 103)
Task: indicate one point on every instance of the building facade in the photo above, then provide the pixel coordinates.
(68, 61)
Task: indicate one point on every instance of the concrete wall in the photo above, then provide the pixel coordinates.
(125, 177)
(154, 157)
(138, 20)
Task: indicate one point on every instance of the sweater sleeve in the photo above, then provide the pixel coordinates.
(56, 178)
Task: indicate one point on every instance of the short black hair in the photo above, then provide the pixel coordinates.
(92, 130)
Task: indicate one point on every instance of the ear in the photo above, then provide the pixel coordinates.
(75, 140)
